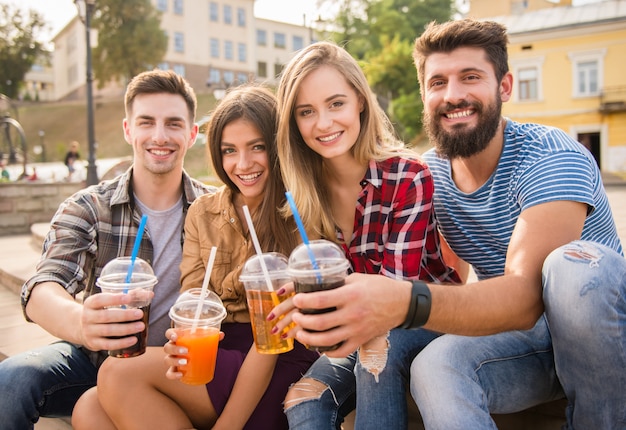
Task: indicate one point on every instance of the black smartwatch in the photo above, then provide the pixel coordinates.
(419, 308)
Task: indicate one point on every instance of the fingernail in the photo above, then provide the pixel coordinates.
(281, 291)
(274, 330)
(271, 316)
(284, 335)
(182, 350)
(182, 362)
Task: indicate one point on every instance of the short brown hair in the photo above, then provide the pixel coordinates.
(161, 81)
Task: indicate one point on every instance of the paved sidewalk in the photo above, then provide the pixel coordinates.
(19, 256)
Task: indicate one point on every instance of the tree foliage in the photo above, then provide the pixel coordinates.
(380, 34)
(19, 46)
(130, 39)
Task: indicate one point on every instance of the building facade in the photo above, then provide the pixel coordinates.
(567, 62)
(212, 43)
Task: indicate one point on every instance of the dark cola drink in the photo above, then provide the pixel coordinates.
(142, 339)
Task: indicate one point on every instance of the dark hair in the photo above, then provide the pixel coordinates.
(488, 35)
(160, 81)
(257, 105)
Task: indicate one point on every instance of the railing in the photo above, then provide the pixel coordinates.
(613, 99)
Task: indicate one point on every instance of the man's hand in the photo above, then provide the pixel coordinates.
(366, 306)
(104, 319)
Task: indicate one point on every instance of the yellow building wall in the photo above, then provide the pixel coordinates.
(557, 106)
(487, 8)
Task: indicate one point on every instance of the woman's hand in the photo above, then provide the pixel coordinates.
(283, 313)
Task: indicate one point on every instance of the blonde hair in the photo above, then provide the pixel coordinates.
(302, 168)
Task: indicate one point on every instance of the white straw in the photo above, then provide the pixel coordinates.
(257, 246)
(205, 288)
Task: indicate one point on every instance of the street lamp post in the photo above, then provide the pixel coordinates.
(85, 10)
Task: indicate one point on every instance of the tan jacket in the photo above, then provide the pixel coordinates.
(213, 221)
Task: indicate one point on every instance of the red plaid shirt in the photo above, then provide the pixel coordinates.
(395, 232)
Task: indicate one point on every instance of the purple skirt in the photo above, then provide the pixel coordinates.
(289, 369)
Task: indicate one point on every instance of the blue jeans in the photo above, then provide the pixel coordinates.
(380, 402)
(457, 381)
(46, 381)
(584, 296)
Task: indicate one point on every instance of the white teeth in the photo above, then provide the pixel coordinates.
(329, 138)
(459, 114)
(249, 177)
(159, 152)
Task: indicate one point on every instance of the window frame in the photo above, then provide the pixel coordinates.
(582, 57)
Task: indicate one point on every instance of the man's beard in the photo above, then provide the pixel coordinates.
(462, 141)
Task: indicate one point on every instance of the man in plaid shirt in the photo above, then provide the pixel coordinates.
(89, 229)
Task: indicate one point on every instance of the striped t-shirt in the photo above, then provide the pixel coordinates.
(538, 164)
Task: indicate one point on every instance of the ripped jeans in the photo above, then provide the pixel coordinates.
(585, 304)
(373, 380)
(457, 381)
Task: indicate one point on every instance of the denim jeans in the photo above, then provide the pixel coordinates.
(43, 382)
(585, 302)
(457, 381)
(380, 402)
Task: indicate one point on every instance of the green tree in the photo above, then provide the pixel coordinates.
(130, 39)
(19, 46)
(380, 34)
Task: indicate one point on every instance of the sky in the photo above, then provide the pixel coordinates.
(59, 12)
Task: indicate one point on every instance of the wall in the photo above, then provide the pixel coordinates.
(23, 204)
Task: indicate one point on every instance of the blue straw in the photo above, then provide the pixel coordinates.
(305, 238)
(133, 257)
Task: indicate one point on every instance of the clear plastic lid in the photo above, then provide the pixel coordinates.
(318, 255)
(113, 275)
(275, 263)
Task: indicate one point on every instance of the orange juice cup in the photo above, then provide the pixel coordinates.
(200, 338)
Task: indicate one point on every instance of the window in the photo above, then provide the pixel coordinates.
(241, 17)
(214, 76)
(228, 14)
(161, 5)
(279, 40)
(261, 69)
(179, 42)
(278, 69)
(527, 79)
(527, 83)
(241, 52)
(215, 47)
(72, 74)
(228, 50)
(178, 7)
(587, 77)
(261, 37)
(163, 66)
(298, 43)
(242, 77)
(179, 69)
(229, 78)
(213, 11)
(587, 72)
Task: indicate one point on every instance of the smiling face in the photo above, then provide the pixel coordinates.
(462, 101)
(160, 131)
(327, 112)
(245, 161)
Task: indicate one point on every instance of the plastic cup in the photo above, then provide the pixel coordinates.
(202, 340)
(113, 280)
(262, 298)
(327, 270)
